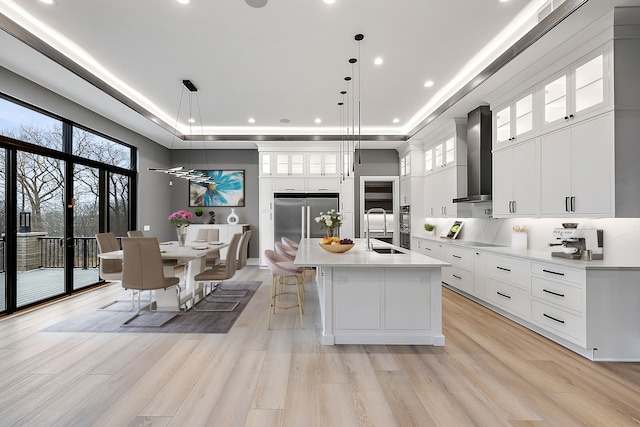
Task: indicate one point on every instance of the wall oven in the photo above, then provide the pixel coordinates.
(405, 226)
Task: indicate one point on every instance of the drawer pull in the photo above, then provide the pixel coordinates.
(427, 249)
(503, 269)
(553, 272)
(553, 318)
(503, 295)
(457, 277)
(456, 256)
(553, 293)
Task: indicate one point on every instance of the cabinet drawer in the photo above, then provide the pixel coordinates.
(431, 248)
(575, 275)
(560, 322)
(553, 292)
(323, 184)
(459, 257)
(511, 298)
(510, 270)
(289, 184)
(458, 278)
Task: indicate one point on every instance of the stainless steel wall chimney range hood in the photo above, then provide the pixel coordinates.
(478, 156)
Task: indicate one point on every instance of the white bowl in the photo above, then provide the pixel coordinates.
(569, 250)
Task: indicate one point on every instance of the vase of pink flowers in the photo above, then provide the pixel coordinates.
(180, 220)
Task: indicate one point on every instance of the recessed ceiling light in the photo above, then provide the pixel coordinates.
(192, 120)
(396, 120)
(378, 61)
(47, 1)
(285, 121)
(252, 120)
(318, 121)
(428, 83)
(329, 1)
(256, 3)
(184, 1)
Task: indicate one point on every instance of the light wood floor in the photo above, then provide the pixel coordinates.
(491, 372)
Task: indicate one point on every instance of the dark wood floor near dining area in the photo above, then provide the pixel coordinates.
(491, 372)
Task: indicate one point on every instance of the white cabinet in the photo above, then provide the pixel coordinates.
(289, 184)
(405, 165)
(266, 194)
(322, 164)
(440, 190)
(460, 275)
(322, 184)
(446, 179)
(266, 233)
(267, 162)
(514, 120)
(578, 91)
(577, 165)
(347, 191)
(290, 164)
(516, 188)
(507, 284)
(405, 191)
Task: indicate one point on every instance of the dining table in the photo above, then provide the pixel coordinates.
(193, 257)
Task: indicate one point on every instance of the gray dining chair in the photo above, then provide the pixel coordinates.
(110, 269)
(210, 235)
(142, 268)
(215, 275)
(135, 233)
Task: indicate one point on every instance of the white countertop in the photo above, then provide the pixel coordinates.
(311, 254)
(603, 264)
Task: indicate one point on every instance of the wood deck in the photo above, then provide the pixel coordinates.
(36, 285)
(491, 372)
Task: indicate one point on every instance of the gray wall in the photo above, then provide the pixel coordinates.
(374, 163)
(152, 197)
(221, 159)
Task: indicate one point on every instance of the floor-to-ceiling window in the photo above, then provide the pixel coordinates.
(60, 185)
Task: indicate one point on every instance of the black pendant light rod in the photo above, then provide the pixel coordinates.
(359, 38)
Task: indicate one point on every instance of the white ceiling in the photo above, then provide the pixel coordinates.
(286, 60)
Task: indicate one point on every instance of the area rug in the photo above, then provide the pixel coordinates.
(196, 322)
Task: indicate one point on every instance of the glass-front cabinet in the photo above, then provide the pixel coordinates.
(577, 91)
(323, 164)
(515, 119)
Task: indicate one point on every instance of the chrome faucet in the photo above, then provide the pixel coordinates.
(380, 210)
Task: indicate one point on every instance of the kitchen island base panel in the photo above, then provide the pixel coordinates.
(396, 306)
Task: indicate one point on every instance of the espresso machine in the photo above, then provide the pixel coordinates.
(578, 243)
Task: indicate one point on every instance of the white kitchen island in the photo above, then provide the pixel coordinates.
(372, 298)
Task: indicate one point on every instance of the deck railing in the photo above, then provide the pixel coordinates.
(85, 252)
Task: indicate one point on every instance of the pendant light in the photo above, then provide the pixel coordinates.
(358, 38)
(180, 171)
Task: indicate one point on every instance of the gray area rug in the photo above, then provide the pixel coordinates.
(110, 318)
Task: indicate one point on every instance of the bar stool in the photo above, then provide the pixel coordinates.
(285, 251)
(288, 242)
(282, 269)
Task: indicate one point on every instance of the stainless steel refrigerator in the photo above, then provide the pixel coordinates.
(295, 213)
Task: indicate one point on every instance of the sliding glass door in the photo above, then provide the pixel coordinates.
(40, 239)
(86, 224)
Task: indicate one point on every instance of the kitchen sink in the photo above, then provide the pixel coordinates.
(387, 251)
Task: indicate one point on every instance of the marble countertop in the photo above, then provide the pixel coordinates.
(311, 254)
(603, 264)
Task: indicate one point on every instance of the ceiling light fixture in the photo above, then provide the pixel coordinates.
(47, 1)
(329, 1)
(180, 171)
(318, 121)
(378, 61)
(428, 83)
(184, 1)
(396, 120)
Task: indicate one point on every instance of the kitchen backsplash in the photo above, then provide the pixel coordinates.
(621, 236)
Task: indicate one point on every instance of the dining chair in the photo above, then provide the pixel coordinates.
(110, 269)
(243, 246)
(282, 269)
(290, 243)
(215, 275)
(135, 233)
(142, 268)
(210, 235)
